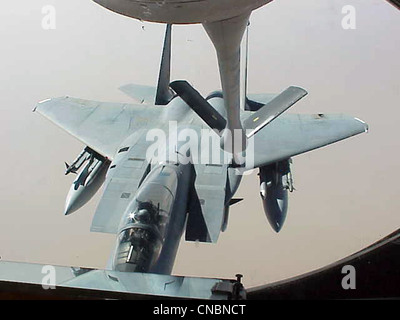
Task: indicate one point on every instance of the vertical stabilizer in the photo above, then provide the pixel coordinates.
(164, 93)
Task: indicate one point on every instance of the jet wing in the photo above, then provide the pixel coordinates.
(140, 93)
(293, 134)
(101, 126)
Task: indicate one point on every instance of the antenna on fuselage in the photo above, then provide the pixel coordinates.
(164, 94)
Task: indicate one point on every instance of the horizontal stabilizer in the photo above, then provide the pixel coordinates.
(199, 105)
(272, 110)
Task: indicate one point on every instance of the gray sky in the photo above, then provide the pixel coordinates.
(347, 193)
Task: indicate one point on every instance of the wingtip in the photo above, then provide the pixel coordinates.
(39, 103)
(366, 126)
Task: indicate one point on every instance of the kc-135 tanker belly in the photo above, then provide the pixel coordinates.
(182, 11)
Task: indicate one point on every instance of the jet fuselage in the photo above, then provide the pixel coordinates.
(152, 226)
(153, 222)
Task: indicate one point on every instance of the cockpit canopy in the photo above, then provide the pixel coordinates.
(154, 200)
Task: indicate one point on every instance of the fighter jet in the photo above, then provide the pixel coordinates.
(163, 173)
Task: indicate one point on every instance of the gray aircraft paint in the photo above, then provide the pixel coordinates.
(107, 128)
(103, 126)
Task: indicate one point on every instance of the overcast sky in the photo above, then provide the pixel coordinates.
(346, 194)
